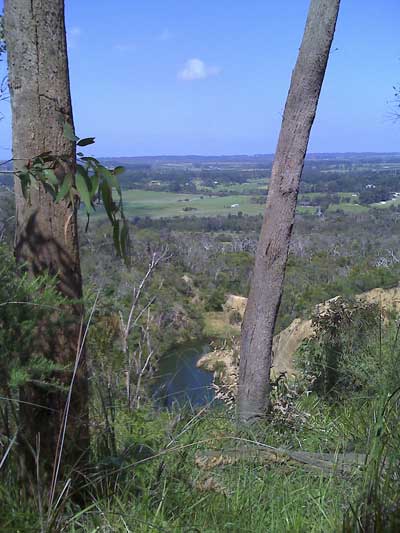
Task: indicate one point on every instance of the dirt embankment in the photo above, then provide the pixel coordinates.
(223, 362)
(235, 303)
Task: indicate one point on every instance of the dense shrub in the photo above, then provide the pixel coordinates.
(27, 305)
(355, 348)
(215, 300)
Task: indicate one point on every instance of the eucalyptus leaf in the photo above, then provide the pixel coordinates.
(83, 191)
(64, 189)
(91, 160)
(106, 196)
(91, 179)
(124, 238)
(50, 176)
(86, 142)
(116, 237)
(118, 170)
(94, 185)
(111, 178)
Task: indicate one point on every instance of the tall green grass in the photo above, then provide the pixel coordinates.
(155, 485)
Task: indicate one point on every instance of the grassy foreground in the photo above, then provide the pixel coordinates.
(154, 483)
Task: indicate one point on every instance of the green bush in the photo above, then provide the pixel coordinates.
(27, 304)
(353, 350)
(215, 300)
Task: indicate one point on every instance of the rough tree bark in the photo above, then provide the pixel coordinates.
(46, 237)
(272, 251)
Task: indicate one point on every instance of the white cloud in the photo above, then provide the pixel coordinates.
(73, 35)
(125, 47)
(165, 35)
(75, 31)
(196, 69)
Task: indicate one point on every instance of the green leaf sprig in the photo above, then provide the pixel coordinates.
(92, 182)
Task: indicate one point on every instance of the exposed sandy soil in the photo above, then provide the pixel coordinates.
(224, 362)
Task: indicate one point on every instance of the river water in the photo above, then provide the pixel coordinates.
(178, 381)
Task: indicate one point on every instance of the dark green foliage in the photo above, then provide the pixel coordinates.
(340, 329)
(216, 300)
(230, 223)
(374, 195)
(29, 307)
(353, 350)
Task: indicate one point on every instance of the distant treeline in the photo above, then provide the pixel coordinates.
(321, 174)
(319, 179)
(233, 223)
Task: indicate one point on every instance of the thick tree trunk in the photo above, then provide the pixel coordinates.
(46, 237)
(271, 256)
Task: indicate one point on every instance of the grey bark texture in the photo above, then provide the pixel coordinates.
(46, 237)
(273, 246)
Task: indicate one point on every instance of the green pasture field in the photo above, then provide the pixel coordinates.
(157, 204)
(348, 208)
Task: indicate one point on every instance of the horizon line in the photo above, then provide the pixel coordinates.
(271, 154)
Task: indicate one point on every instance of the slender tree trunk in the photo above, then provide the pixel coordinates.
(46, 237)
(271, 256)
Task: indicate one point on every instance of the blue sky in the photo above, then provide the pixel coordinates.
(211, 76)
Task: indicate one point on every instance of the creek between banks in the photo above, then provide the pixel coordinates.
(178, 381)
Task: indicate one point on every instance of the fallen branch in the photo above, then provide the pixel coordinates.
(342, 463)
